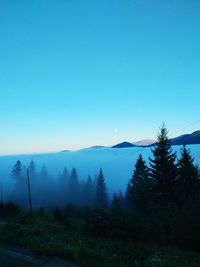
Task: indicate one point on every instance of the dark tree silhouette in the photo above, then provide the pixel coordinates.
(163, 169)
(62, 187)
(65, 178)
(101, 192)
(17, 169)
(88, 192)
(19, 193)
(73, 188)
(44, 187)
(138, 193)
(32, 169)
(188, 180)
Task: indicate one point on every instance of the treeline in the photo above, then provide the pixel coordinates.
(161, 203)
(67, 189)
(163, 200)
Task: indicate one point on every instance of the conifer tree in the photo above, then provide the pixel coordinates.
(101, 192)
(139, 188)
(188, 179)
(163, 169)
(62, 187)
(32, 170)
(88, 192)
(65, 177)
(19, 193)
(73, 188)
(16, 171)
(44, 190)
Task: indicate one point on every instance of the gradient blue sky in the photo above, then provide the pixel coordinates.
(77, 73)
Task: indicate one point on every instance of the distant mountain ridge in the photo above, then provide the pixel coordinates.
(185, 139)
(123, 145)
(145, 142)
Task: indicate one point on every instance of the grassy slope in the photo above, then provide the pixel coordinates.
(69, 240)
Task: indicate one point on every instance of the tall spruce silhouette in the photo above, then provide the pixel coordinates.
(139, 187)
(163, 168)
(62, 187)
(44, 187)
(19, 193)
(188, 179)
(73, 188)
(101, 192)
(88, 192)
(16, 171)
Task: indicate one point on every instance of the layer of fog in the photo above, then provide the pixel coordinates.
(117, 165)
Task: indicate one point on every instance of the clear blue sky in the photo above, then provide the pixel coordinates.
(77, 73)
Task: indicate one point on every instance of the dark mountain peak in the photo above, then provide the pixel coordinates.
(187, 139)
(196, 133)
(123, 145)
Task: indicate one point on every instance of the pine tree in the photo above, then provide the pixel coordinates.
(73, 188)
(188, 179)
(44, 191)
(139, 188)
(62, 187)
(32, 170)
(16, 171)
(19, 193)
(65, 177)
(163, 169)
(101, 192)
(88, 192)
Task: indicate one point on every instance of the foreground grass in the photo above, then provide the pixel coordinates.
(70, 240)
